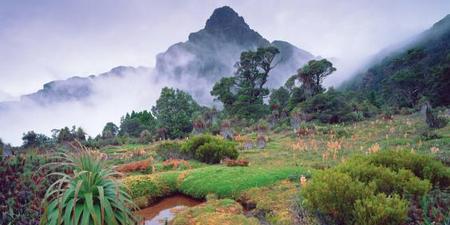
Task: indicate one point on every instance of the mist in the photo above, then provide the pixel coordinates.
(49, 40)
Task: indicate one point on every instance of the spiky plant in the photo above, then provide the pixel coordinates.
(87, 195)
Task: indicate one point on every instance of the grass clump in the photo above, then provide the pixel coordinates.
(89, 195)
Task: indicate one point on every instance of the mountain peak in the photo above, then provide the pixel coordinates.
(225, 25)
(224, 18)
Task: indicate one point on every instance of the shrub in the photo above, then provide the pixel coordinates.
(328, 107)
(334, 194)
(402, 182)
(435, 207)
(425, 167)
(22, 187)
(146, 189)
(210, 149)
(89, 195)
(381, 209)
(193, 143)
(166, 150)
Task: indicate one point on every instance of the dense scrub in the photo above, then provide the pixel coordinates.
(22, 188)
(376, 189)
(419, 70)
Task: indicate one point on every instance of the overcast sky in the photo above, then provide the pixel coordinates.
(46, 40)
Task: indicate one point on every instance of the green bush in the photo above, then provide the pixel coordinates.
(171, 150)
(380, 209)
(194, 142)
(402, 182)
(210, 149)
(328, 107)
(424, 167)
(145, 189)
(334, 194)
(355, 191)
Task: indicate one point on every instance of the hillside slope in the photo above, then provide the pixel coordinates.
(419, 71)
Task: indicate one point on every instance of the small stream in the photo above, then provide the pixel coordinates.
(164, 210)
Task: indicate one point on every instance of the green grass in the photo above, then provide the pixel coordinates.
(225, 182)
(229, 182)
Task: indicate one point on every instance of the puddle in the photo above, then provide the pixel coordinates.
(166, 209)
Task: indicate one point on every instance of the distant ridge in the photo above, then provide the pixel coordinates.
(209, 54)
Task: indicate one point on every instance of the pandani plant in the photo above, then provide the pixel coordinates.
(87, 193)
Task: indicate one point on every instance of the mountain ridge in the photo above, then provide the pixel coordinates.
(208, 54)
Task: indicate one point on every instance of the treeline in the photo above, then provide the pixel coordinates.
(411, 76)
(247, 102)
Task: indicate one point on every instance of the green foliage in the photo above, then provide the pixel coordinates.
(136, 122)
(405, 76)
(381, 209)
(279, 99)
(243, 94)
(312, 74)
(328, 107)
(145, 137)
(110, 130)
(297, 96)
(34, 140)
(145, 189)
(334, 194)
(403, 182)
(88, 196)
(434, 208)
(67, 135)
(356, 190)
(174, 111)
(171, 150)
(210, 149)
(424, 167)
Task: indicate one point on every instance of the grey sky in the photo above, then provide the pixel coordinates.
(54, 39)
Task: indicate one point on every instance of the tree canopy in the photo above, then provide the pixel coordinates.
(243, 94)
(174, 111)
